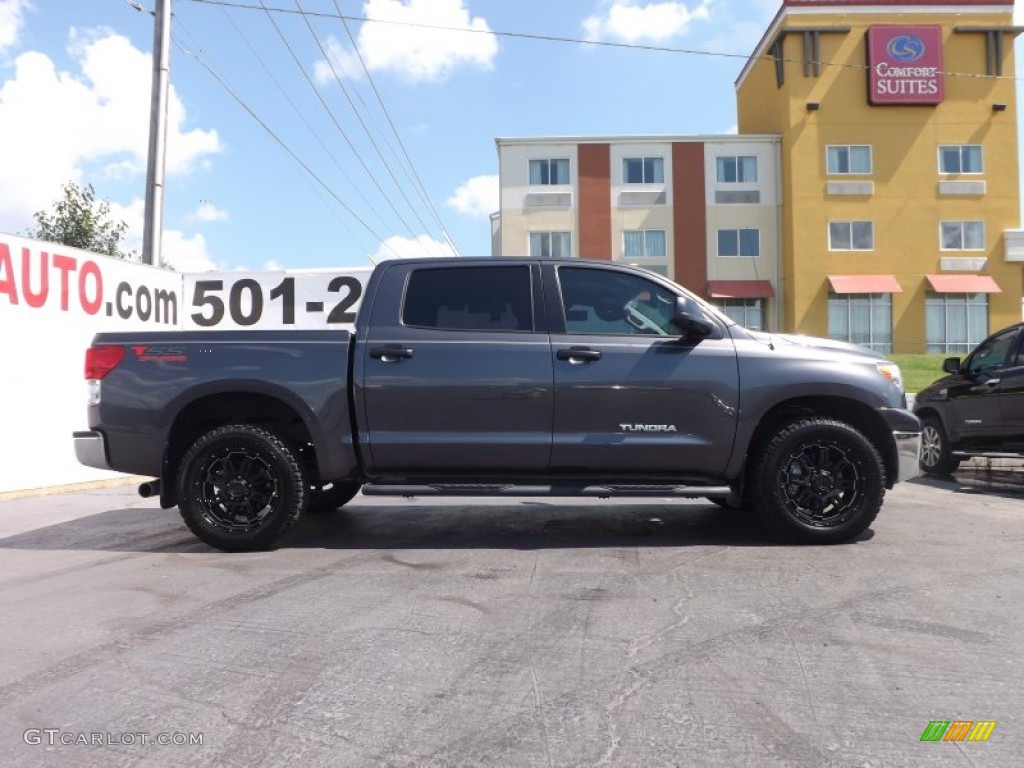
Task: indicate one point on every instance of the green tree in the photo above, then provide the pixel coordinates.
(80, 220)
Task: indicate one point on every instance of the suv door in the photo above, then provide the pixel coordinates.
(455, 376)
(975, 414)
(632, 397)
(1011, 395)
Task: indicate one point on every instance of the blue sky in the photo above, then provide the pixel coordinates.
(74, 95)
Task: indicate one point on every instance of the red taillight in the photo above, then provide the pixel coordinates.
(99, 361)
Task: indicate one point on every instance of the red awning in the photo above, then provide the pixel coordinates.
(864, 284)
(963, 284)
(740, 289)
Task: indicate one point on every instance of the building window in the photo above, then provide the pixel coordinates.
(849, 159)
(550, 245)
(960, 158)
(851, 235)
(861, 318)
(747, 312)
(549, 172)
(962, 235)
(739, 242)
(643, 170)
(955, 322)
(643, 244)
(738, 169)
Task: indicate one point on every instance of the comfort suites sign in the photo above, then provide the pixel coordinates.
(904, 65)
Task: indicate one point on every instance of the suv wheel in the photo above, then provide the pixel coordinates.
(818, 481)
(936, 457)
(240, 488)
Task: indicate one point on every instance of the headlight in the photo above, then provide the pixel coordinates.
(891, 371)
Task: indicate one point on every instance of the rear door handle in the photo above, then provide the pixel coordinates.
(391, 353)
(577, 355)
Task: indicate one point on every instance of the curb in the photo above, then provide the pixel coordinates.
(54, 490)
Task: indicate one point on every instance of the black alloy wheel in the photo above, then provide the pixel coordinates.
(240, 488)
(819, 481)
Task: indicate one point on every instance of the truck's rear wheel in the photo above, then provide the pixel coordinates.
(328, 498)
(936, 457)
(818, 481)
(240, 488)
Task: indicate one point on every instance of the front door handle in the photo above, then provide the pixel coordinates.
(391, 353)
(577, 355)
(990, 384)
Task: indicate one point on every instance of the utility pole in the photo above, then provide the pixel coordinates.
(153, 225)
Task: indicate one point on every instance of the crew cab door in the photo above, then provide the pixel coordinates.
(631, 396)
(976, 390)
(1011, 395)
(454, 375)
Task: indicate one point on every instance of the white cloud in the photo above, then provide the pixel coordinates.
(11, 19)
(209, 212)
(182, 252)
(344, 61)
(411, 248)
(478, 197)
(273, 265)
(631, 22)
(56, 126)
(186, 254)
(417, 53)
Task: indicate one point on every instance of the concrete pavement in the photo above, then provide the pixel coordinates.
(528, 632)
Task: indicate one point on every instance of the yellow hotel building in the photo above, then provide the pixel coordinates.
(900, 207)
(871, 194)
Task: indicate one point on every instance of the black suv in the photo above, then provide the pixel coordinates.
(978, 410)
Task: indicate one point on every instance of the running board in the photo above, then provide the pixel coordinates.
(555, 489)
(987, 455)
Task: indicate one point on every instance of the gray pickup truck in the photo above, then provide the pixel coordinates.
(494, 377)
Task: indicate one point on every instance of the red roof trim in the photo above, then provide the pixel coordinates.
(740, 289)
(869, 3)
(864, 284)
(963, 284)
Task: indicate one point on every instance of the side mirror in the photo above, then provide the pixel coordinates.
(951, 365)
(689, 319)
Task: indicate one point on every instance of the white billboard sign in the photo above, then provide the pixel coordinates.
(295, 299)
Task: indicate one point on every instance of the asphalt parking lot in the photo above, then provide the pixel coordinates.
(527, 632)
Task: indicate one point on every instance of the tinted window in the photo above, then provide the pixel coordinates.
(607, 302)
(992, 354)
(470, 299)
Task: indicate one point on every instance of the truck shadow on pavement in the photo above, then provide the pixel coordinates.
(529, 525)
(1002, 482)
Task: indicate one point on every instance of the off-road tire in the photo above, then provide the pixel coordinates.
(818, 481)
(936, 457)
(241, 488)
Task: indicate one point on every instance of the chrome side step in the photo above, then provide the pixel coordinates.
(987, 455)
(554, 489)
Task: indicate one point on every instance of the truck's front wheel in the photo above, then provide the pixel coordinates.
(936, 456)
(818, 481)
(240, 488)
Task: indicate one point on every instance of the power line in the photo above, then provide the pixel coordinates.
(295, 109)
(362, 123)
(283, 145)
(337, 125)
(575, 40)
(418, 181)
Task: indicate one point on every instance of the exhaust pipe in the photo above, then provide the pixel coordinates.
(149, 488)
